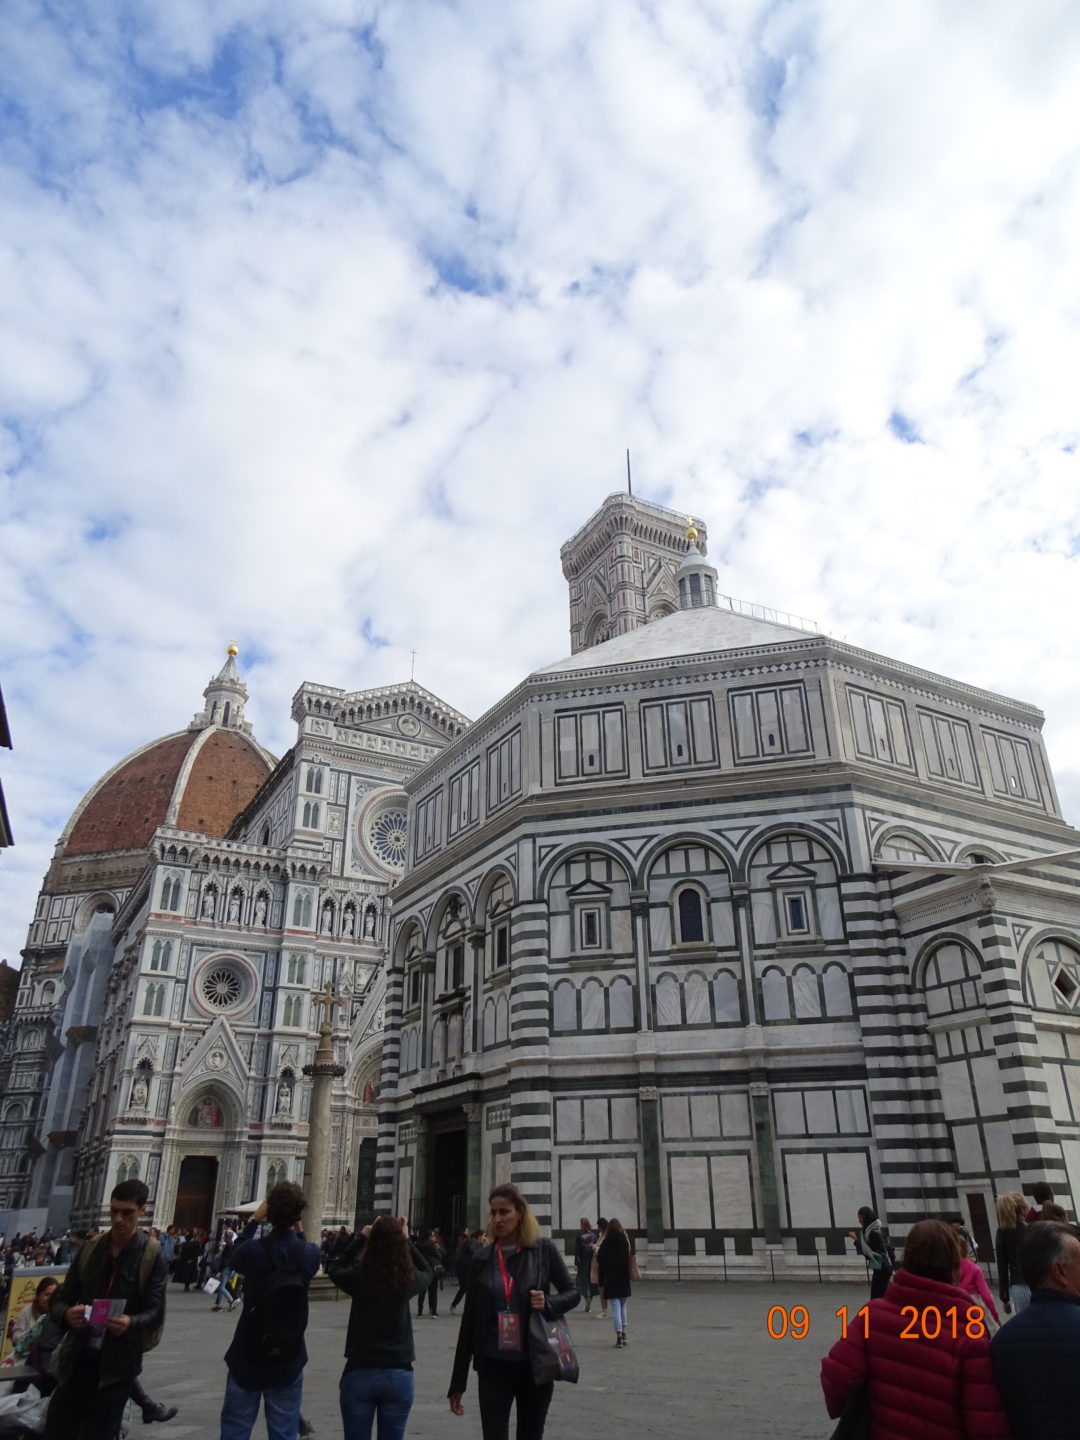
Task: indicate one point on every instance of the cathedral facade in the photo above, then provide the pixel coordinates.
(727, 928)
(199, 895)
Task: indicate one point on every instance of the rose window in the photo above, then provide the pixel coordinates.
(386, 836)
(221, 987)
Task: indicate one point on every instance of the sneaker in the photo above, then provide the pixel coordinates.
(159, 1412)
(453, 1309)
(434, 1315)
(305, 1428)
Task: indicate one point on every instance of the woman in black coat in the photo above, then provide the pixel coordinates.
(614, 1262)
(513, 1276)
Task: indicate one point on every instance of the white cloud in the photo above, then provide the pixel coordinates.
(242, 391)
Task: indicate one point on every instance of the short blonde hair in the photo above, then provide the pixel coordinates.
(528, 1228)
(1011, 1209)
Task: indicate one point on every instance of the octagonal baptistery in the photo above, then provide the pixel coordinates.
(666, 941)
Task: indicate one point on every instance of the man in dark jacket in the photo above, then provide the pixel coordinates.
(254, 1376)
(1037, 1354)
(101, 1365)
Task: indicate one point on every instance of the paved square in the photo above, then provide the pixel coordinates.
(700, 1364)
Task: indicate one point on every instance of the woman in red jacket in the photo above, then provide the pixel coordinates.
(924, 1359)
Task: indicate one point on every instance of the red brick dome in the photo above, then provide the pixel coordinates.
(197, 780)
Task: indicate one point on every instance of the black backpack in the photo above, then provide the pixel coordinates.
(275, 1323)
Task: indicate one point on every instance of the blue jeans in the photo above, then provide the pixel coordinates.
(367, 1393)
(221, 1293)
(618, 1315)
(241, 1409)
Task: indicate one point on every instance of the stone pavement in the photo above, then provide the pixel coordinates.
(700, 1364)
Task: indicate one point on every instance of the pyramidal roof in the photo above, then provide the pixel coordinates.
(700, 631)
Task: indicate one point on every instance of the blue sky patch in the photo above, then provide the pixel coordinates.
(904, 428)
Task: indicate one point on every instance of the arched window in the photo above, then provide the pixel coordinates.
(170, 895)
(904, 847)
(264, 838)
(564, 1006)
(952, 980)
(48, 992)
(155, 955)
(592, 1006)
(302, 910)
(691, 921)
(804, 986)
(159, 1001)
(668, 1001)
(148, 1001)
(128, 1169)
(297, 970)
(727, 1002)
(311, 815)
(775, 1000)
(837, 987)
(621, 1004)
(160, 955)
(314, 781)
(696, 1000)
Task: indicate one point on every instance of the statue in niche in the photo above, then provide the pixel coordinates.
(284, 1099)
(369, 923)
(328, 919)
(260, 910)
(349, 927)
(140, 1093)
(234, 905)
(208, 899)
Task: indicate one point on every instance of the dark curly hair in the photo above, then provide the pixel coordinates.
(386, 1261)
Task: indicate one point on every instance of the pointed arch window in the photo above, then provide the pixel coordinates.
(161, 955)
(314, 785)
(311, 815)
(302, 911)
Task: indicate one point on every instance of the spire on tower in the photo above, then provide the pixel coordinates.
(695, 576)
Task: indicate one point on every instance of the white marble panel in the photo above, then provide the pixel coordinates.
(489, 1024)
(774, 995)
(622, 932)
(624, 1118)
(659, 929)
(732, 1192)
(618, 1189)
(690, 1202)
(829, 914)
(763, 916)
(734, 1113)
(704, 1116)
(723, 923)
(956, 1098)
(820, 1112)
(502, 1020)
(968, 1147)
(668, 1001)
(404, 1189)
(676, 1116)
(837, 989)
(577, 1190)
(1072, 1083)
(851, 1108)
(501, 1168)
(592, 1006)
(849, 1182)
(1000, 1147)
(564, 1006)
(808, 1200)
(597, 1125)
(560, 936)
(986, 1077)
(1059, 1099)
(696, 999)
(1052, 1043)
(1070, 1149)
(788, 1109)
(567, 1121)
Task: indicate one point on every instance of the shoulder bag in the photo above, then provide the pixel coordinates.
(551, 1351)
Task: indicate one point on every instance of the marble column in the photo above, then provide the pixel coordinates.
(323, 1071)
(474, 1206)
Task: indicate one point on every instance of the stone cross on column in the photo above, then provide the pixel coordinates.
(323, 1073)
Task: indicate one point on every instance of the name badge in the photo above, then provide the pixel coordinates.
(510, 1330)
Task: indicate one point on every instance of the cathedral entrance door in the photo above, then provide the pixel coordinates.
(195, 1192)
(449, 1178)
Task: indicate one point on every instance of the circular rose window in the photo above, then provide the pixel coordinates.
(386, 836)
(221, 987)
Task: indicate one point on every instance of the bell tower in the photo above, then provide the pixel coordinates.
(621, 568)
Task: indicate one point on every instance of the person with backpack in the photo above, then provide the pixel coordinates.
(873, 1245)
(95, 1365)
(267, 1356)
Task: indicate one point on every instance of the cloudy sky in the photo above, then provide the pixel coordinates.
(326, 321)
